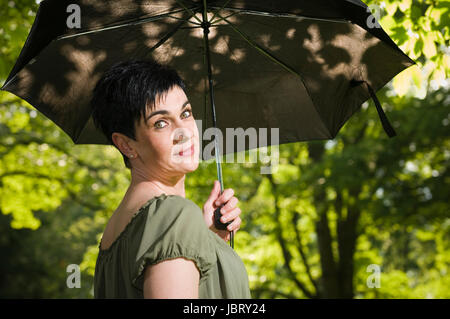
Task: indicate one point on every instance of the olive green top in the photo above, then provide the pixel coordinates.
(166, 227)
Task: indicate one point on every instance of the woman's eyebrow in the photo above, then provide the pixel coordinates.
(165, 111)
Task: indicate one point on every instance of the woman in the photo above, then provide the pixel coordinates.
(158, 243)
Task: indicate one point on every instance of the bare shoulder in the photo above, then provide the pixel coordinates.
(173, 278)
(122, 216)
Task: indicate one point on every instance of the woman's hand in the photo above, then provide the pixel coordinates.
(229, 211)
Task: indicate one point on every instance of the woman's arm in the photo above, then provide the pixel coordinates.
(172, 279)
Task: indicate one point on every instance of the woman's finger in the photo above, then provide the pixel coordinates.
(224, 197)
(229, 206)
(235, 224)
(230, 215)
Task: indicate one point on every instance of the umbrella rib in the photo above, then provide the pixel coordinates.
(196, 27)
(189, 10)
(231, 52)
(285, 15)
(168, 35)
(215, 13)
(220, 19)
(197, 24)
(126, 24)
(261, 49)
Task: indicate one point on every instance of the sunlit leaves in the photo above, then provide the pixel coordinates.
(421, 30)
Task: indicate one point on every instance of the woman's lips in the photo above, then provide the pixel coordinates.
(189, 151)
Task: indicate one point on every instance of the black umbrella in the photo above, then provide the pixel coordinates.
(304, 67)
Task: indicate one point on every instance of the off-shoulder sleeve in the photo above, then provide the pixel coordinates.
(174, 228)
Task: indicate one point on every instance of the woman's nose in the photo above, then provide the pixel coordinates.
(182, 135)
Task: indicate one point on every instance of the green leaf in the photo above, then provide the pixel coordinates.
(429, 47)
(418, 47)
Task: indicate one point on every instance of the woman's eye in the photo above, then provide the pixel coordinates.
(160, 127)
(156, 124)
(189, 112)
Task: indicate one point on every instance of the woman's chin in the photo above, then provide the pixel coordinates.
(186, 164)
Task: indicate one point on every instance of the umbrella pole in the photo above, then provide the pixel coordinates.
(205, 26)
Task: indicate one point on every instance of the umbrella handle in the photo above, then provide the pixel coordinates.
(217, 223)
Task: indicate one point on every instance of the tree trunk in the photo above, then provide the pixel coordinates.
(346, 230)
(329, 281)
(337, 276)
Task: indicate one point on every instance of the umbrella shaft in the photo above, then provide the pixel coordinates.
(206, 26)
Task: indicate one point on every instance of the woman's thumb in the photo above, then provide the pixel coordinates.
(213, 196)
(215, 191)
(216, 186)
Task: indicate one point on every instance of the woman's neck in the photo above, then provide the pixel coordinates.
(157, 185)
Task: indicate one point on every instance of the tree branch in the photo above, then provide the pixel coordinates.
(62, 181)
(338, 204)
(286, 255)
(295, 218)
(29, 139)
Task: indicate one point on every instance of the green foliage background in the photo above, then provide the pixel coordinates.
(391, 195)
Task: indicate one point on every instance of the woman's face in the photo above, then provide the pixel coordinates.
(166, 131)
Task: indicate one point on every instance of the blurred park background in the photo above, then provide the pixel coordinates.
(322, 226)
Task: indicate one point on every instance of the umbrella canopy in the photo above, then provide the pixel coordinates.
(301, 66)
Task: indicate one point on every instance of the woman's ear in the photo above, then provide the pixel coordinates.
(122, 143)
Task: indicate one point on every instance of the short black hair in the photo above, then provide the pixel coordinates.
(125, 91)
